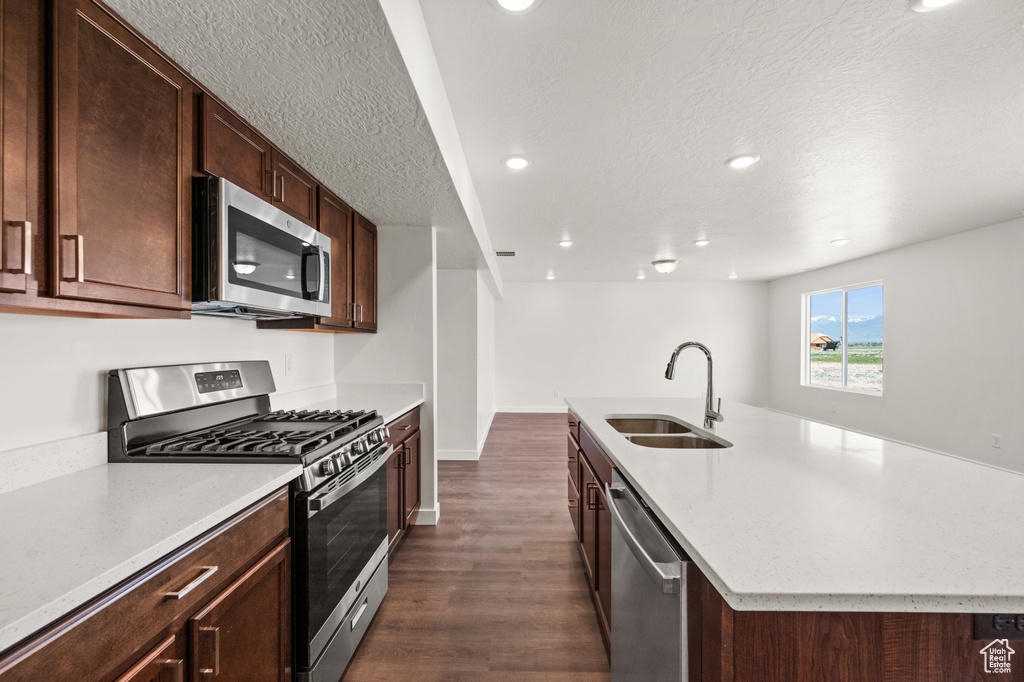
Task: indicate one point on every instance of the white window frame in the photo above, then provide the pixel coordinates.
(805, 326)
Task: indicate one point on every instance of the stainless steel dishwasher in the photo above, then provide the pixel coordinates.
(648, 627)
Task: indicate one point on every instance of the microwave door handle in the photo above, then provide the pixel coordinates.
(325, 268)
(312, 259)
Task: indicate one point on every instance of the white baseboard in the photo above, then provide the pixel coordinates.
(548, 409)
(483, 436)
(458, 455)
(428, 516)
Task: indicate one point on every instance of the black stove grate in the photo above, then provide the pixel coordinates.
(306, 416)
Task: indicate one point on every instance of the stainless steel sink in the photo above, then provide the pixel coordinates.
(646, 425)
(691, 441)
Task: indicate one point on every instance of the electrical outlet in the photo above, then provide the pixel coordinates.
(557, 394)
(289, 365)
(997, 440)
(833, 407)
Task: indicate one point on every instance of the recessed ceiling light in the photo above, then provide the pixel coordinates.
(734, 276)
(929, 5)
(565, 242)
(840, 242)
(551, 275)
(665, 266)
(517, 162)
(701, 242)
(743, 161)
(641, 275)
(515, 6)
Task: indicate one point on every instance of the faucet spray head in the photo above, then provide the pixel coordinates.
(670, 370)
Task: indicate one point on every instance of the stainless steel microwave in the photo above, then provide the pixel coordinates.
(253, 260)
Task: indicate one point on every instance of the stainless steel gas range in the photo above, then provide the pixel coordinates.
(220, 412)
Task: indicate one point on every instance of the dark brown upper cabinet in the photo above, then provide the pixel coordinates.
(16, 242)
(122, 151)
(364, 274)
(336, 222)
(230, 149)
(293, 189)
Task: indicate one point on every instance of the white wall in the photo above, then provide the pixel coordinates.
(954, 343)
(405, 348)
(615, 339)
(53, 369)
(456, 361)
(485, 360)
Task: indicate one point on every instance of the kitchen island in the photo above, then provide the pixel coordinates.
(820, 553)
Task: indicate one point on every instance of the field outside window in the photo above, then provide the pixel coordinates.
(844, 338)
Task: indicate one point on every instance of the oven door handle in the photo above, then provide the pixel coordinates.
(317, 503)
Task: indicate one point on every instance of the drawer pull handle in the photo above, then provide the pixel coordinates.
(180, 594)
(405, 428)
(176, 666)
(359, 613)
(573, 504)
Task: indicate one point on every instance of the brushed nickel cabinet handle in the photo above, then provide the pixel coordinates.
(214, 669)
(273, 184)
(79, 241)
(180, 594)
(176, 666)
(408, 456)
(573, 504)
(282, 188)
(591, 499)
(26, 245)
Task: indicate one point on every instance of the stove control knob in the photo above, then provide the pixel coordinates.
(359, 447)
(328, 467)
(385, 432)
(375, 436)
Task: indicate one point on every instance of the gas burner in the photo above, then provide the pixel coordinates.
(313, 416)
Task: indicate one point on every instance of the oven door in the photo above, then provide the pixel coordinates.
(268, 259)
(341, 536)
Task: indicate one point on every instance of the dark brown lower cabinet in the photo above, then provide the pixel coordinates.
(217, 609)
(590, 469)
(403, 478)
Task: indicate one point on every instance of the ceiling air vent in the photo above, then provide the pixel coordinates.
(507, 254)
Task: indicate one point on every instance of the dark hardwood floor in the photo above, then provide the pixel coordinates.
(495, 591)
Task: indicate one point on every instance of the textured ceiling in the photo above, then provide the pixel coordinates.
(324, 80)
(874, 123)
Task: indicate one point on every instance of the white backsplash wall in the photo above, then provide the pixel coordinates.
(53, 369)
(615, 339)
(954, 346)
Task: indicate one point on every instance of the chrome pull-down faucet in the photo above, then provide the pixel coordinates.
(711, 415)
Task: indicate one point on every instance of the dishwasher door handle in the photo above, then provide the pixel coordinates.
(667, 574)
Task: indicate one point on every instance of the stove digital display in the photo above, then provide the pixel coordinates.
(207, 382)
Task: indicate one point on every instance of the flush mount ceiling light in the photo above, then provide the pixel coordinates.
(839, 242)
(515, 6)
(244, 267)
(701, 242)
(929, 5)
(517, 162)
(665, 266)
(551, 275)
(743, 161)
(565, 242)
(733, 276)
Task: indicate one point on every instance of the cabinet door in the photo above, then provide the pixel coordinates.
(364, 273)
(604, 555)
(394, 482)
(411, 479)
(293, 189)
(574, 506)
(123, 163)
(335, 220)
(230, 149)
(164, 663)
(573, 460)
(588, 519)
(16, 230)
(243, 635)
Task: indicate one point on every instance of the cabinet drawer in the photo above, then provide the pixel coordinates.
(404, 426)
(103, 638)
(574, 425)
(573, 460)
(598, 460)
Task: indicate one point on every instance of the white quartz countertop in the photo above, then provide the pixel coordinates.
(390, 400)
(801, 516)
(69, 539)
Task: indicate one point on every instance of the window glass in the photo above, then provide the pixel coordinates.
(864, 333)
(844, 338)
(826, 330)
